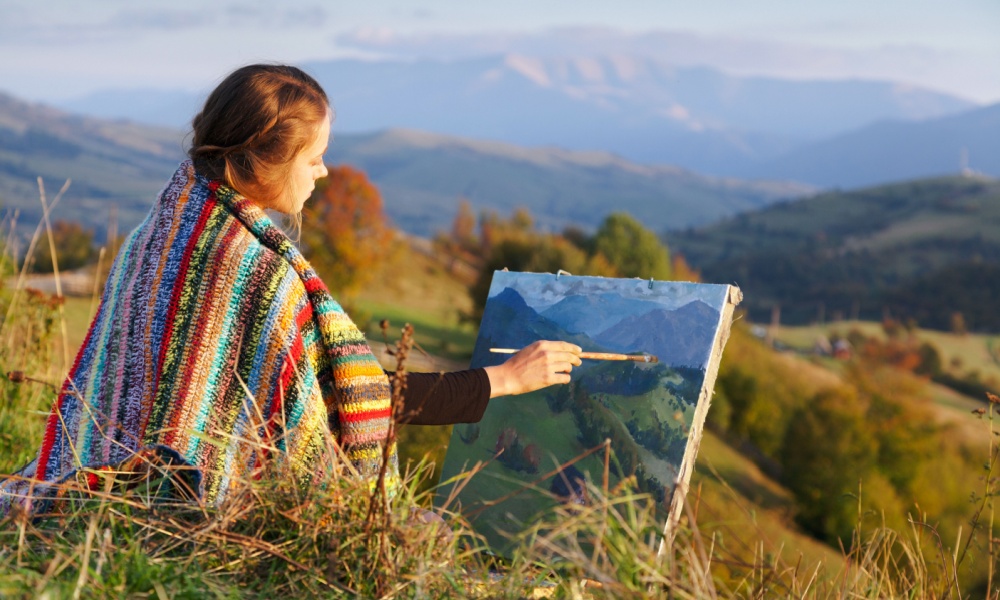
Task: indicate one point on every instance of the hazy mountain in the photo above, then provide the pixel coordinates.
(164, 108)
(679, 337)
(510, 323)
(421, 176)
(644, 109)
(529, 100)
(593, 314)
(111, 163)
(897, 150)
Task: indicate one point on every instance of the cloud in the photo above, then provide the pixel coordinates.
(159, 19)
(106, 23)
(267, 15)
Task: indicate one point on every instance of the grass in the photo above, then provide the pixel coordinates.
(435, 303)
(331, 537)
(279, 537)
(439, 335)
(960, 353)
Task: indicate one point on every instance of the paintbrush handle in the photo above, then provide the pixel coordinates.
(611, 356)
(648, 358)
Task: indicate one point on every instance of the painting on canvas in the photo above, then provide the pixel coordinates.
(652, 413)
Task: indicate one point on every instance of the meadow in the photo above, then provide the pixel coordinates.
(905, 523)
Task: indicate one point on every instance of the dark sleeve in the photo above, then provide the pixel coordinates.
(444, 398)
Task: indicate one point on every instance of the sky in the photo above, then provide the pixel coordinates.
(58, 50)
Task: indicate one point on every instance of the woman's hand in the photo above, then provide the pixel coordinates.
(539, 365)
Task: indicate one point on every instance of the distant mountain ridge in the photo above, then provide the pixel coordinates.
(641, 108)
(421, 175)
(510, 323)
(593, 314)
(897, 150)
(680, 337)
(111, 163)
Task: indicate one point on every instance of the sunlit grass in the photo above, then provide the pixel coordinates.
(279, 538)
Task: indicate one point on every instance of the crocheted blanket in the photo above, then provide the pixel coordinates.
(216, 340)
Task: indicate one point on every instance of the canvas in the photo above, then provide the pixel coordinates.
(653, 413)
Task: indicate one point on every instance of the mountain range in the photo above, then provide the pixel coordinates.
(681, 337)
(117, 164)
(421, 176)
(640, 108)
(897, 150)
(593, 314)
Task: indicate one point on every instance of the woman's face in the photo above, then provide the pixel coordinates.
(306, 168)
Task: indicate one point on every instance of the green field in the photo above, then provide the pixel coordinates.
(961, 354)
(741, 510)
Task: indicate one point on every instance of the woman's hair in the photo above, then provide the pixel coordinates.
(252, 126)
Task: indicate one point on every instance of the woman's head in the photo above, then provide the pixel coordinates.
(263, 132)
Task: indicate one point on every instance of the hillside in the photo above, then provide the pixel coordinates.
(421, 176)
(923, 249)
(110, 162)
(744, 507)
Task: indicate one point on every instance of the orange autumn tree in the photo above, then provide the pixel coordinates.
(345, 233)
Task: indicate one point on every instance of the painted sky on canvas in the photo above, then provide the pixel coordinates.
(60, 49)
(544, 290)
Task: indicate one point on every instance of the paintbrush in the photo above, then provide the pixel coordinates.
(647, 358)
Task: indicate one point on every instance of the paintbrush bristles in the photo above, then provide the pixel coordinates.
(646, 358)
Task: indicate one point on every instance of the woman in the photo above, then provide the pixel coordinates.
(216, 345)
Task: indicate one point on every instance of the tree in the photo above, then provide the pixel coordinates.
(74, 248)
(957, 322)
(828, 448)
(515, 245)
(632, 250)
(462, 241)
(345, 233)
(463, 228)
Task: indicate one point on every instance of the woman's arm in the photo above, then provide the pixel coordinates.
(462, 396)
(444, 398)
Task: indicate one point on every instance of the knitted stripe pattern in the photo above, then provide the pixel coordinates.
(213, 330)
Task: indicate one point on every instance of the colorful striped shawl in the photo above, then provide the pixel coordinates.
(208, 299)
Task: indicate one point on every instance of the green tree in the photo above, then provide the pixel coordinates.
(74, 248)
(632, 250)
(828, 448)
(531, 252)
(754, 415)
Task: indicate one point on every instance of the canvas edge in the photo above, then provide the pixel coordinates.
(733, 297)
